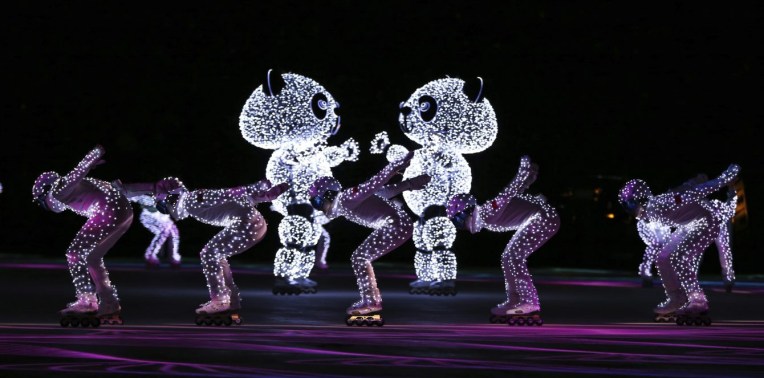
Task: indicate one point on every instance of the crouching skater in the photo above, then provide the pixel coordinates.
(534, 222)
(368, 205)
(109, 216)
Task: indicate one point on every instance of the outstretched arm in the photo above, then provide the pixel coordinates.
(372, 185)
(414, 183)
(68, 182)
(525, 176)
(701, 191)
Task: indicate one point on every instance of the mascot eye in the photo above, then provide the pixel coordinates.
(319, 103)
(427, 108)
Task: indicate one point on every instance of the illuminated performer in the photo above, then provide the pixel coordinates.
(695, 228)
(235, 210)
(367, 204)
(109, 216)
(534, 222)
(294, 115)
(165, 232)
(655, 235)
(447, 117)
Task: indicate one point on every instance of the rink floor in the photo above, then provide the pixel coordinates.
(596, 323)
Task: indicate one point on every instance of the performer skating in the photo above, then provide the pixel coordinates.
(109, 216)
(367, 204)
(534, 222)
(694, 230)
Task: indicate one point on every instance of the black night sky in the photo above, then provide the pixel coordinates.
(659, 92)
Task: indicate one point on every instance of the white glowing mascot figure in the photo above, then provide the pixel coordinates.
(695, 227)
(447, 117)
(294, 115)
(109, 216)
(166, 235)
(656, 235)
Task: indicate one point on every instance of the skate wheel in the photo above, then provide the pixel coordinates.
(85, 323)
(218, 321)
(227, 322)
(530, 322)
(540, 322)
(493, 319)
(380, 323)
(75, 322)
(511, 322)
(64, 322)
(198, 321)
(520, 321)
(698, 321)
(349, 322)
(707, 322)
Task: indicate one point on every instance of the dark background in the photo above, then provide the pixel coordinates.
(658, 92)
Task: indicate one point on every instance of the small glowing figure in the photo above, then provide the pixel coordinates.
(294, 116)
(367, 204)
(656, 235)
(694, 226)
(235, 210)
(534, 222)
(109, 216)
(165, 232)
(448, 118)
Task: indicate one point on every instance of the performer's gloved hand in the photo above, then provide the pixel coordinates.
(730, 175)
(98, 152)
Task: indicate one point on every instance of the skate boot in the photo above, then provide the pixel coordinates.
(81, 312)
(666, 311)
(524, 314)
(420, 287)
(728, 285)
(443, 287)
(110, 313)
(499, 312)
(363, 313)
(152, 263)
(287, 286)
(695, 312)
(307, 285)
(217, 312)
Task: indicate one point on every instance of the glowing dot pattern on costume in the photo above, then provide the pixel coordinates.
(534, 222)
(109, 216)
(287, 123)
(164, 229)
(297, 234)
(694, 228)
(380, 142)
(243, 227)
(656, 236)
(447, 124)
(392, 227)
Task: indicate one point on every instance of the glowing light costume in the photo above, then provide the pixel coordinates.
(235, 210)
(447, 118)
(109, 216)
(294, 116)
(165, 233)
(656, 235)
(367, 204)
(695, 228)
(534, 222)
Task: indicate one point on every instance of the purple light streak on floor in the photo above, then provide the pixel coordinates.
(608, 347)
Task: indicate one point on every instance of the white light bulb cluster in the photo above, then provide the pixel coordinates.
(447, 123)
(296, 122)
